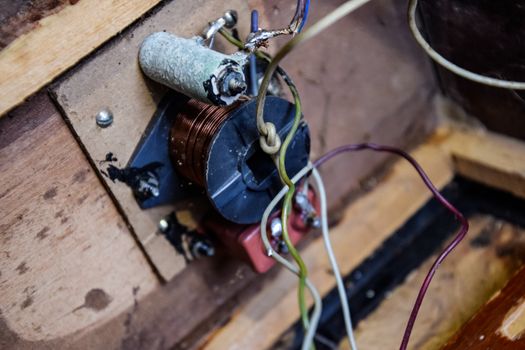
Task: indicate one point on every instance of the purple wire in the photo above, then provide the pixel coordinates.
(459, 237)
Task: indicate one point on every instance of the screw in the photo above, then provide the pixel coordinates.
(104, 118)
(202, 248)
(164, 225)
(230, 17)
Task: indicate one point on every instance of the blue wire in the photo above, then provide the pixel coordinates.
(305, 17)
(254, 84)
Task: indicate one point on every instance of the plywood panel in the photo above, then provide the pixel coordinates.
(67, 259)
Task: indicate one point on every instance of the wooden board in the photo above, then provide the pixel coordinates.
(365, 224)
(113, 79)
(67, 259)
(58, 42)
(491, 159)
(18, 17)
(464, 282)
(498, 325)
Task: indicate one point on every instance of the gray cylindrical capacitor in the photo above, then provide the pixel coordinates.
(189, 67)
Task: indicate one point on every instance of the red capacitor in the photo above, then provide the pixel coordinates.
(244, 241)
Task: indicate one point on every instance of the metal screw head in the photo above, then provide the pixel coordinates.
(104, 118)
(164, 225)
(202, 248)
(230, 17)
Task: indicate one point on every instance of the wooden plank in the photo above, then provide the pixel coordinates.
(464, 282)
(491, 159)
(498, 325)
(58, 42)
(18, 17)
(67, 259)
(364, 226)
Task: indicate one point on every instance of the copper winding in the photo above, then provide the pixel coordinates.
(191, 135)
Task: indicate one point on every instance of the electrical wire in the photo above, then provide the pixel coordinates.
(281, 166)
(258, 38)
(267, 130)
(270, 141)
(301, 14)
(316, 314)
(333, 261)
(482, 79)
(438, 196)
(287, 205)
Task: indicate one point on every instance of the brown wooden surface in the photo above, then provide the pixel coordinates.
(499, 325)
(67, 260)
(392, 81)
(481, 265)
(59, 41)
(18, 17)
(71, 274)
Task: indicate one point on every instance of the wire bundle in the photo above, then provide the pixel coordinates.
(272, 145)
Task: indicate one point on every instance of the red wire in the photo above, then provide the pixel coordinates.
(457, 239)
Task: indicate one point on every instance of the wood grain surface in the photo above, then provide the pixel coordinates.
(58, 42)
(492, 159)
(67, 259)
(498, 325)
(464, 282)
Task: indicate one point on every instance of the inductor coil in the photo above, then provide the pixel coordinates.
(218, 149)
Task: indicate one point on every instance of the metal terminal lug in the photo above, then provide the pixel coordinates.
(308, 212)
(276, 228)
(228, 20)
(148, 185)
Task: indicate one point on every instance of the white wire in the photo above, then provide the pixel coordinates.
(333, 261)
(514, 85)
(314, 319)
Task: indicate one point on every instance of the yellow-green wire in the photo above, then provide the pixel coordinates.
(281, 166)
(287, 204)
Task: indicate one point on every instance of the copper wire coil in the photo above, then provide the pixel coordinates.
(191, 135)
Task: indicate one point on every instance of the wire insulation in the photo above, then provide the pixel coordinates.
(314, 319)
(341, 289)
(269, 140)
(438, 196)
(482, 79)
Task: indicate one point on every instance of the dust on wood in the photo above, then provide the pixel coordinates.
(463, 283)
(20, 16)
